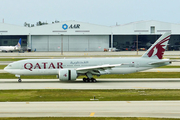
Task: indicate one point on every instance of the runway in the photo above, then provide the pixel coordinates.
(144, 83)
(160, 109)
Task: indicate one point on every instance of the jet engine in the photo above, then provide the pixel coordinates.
(65, 75)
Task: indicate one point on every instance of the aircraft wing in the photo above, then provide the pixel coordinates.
(100, 67)
(97, 69)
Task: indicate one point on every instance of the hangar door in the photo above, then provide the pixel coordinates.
(70, 43)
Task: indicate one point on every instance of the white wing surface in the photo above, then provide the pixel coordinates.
(100, 67)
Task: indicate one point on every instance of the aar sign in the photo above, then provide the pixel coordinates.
(72, 26)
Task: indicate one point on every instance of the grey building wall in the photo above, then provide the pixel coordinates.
(89, 37)
(70, 42)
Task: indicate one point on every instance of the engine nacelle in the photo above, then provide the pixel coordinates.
(65, 74)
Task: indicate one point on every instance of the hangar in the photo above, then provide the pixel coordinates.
(75, 36)
(80, 36)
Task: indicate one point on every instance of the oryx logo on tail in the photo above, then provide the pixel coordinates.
(158, 48)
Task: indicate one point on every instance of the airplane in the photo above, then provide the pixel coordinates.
(70, 69)
(11, 48)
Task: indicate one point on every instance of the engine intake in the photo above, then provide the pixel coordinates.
(65, 75)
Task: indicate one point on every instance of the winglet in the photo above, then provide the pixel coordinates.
(158, 48)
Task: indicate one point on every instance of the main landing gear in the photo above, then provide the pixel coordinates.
(89, 80)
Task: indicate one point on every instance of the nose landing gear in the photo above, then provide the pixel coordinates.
(19, 78)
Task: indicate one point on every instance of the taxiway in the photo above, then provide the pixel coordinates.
(139, 83)
(160, 109)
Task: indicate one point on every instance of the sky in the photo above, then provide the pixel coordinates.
(101, 12)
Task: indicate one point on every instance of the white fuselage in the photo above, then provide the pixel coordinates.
(52, 66)
(8, 48)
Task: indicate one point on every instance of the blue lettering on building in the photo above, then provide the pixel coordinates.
(72, 26)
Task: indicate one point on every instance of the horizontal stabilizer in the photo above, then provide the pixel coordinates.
(159, 62)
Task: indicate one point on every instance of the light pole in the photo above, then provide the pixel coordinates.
(137, 44)
(61, 44)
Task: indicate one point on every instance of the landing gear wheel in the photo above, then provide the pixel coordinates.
(84, 79)
(94, 80)
(19, 80)
(89, 80)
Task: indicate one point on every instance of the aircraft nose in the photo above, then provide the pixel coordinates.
(5, 69)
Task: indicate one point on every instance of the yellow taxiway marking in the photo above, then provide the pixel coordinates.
(128, 102)
(92, 114)
(27, 102)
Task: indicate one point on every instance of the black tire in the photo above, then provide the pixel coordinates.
(19, 80)
(94, 80)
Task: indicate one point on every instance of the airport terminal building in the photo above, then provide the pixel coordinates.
(80, 36)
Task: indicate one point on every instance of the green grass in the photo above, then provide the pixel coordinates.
(2, 66)
(169, 67)
(87, 118)
(11, 76)
(145, 75)
(86, 95)
(118, 76)
(178, 58)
